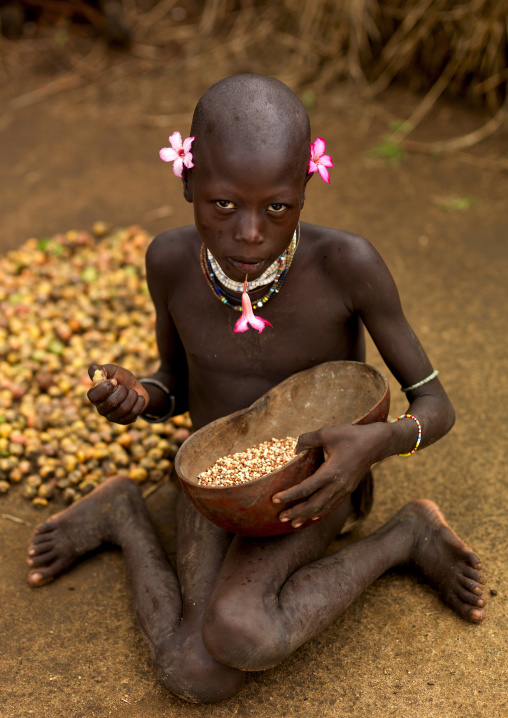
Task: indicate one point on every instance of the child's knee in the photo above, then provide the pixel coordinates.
(239, 637)
(195, 677)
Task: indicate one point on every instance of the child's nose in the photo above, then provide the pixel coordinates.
(249, 228)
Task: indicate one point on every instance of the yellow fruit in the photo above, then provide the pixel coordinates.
(98, 377)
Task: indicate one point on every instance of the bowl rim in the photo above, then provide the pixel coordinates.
(304, 452)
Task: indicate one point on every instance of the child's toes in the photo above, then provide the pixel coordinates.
(470, 598)
(42, 559)
(40, 547)
(50, 568)
(466, 605)
(471, 585)
(43, 547)
(473, 560)
(459, 605)
(42, 538)
(476, 615)
(39, 577)
(44, 528)
(472, 573)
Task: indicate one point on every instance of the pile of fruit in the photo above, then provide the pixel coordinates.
(65, 303)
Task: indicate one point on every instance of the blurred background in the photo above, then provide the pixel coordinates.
(411, 98)
(92, 88)
(420, 42)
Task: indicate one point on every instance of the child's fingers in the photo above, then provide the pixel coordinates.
(108, 370)
(93, 368)
(318, 505)
(99, 393)
(126, 407)
(305, 488)
(112, 371)
(112, 401)
(134, 413)
(310, 440)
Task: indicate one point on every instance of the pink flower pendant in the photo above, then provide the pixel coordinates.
(248, 316)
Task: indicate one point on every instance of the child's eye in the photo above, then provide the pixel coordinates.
(277, 207)
(225, 204)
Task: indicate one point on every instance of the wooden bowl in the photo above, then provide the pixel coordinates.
(337, 392)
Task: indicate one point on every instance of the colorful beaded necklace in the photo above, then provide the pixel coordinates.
(283, 265)
(266, 278)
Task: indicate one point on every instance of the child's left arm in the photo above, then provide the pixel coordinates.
(350, 450)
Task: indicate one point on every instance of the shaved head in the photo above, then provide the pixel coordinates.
(248, 111)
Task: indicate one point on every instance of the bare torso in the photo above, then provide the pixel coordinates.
(228, 371)
(242, 603)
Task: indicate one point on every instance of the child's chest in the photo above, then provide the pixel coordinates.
(309, 326)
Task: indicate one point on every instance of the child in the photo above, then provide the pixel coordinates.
(236, 603)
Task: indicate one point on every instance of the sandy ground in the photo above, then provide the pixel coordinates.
(72, 649)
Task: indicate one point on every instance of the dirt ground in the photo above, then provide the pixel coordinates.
(72, 649)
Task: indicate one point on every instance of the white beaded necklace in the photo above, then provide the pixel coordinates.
(267, 277)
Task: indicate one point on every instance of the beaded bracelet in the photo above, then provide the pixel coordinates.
(151, 418)
(418, 384)
(410, 416)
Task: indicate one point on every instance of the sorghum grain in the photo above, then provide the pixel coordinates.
(245, 466)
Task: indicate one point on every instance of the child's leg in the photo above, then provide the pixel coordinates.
(267, 602)
(184, 665)
(170, 624)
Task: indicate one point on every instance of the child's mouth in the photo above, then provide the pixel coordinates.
(247, 266)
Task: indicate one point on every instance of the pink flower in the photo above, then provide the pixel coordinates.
(248, 316)
(318, 160)
(179, 153)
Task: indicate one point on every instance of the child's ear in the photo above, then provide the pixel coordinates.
(307, 178)
(187, 184)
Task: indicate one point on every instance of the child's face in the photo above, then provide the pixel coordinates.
(246, 205)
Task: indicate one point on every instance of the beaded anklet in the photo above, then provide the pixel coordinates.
(410, 416)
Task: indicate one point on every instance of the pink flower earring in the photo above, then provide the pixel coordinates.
(318, 160)
(179, 153)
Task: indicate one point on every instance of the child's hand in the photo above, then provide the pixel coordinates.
(349, 450)
(120, 397)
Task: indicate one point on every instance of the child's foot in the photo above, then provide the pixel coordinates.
(445, 561)
(83, 527)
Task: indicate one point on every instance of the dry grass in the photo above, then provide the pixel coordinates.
(462, 45)
(434, 46)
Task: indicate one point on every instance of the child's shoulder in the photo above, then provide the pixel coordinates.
(171, 250)
(338, 250)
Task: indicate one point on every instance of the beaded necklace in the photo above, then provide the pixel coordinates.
(266, 278)
(282, 267)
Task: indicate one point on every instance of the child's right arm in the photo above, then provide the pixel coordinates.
(122, 397)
